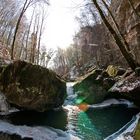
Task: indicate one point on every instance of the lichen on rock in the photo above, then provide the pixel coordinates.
(32, 87)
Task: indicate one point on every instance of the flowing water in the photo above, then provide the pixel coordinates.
(72, 122)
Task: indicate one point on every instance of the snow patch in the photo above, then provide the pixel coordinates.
(125, 86)
(10, 111)
(111, 102)
(36, 133)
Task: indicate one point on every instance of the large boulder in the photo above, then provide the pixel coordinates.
(128, 88)
(32, 87)
(90, 89)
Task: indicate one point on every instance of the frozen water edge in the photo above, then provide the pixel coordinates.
(10, 111)
(126, 131)
(43, 133)
(111, 102)
(5, 108)
(36, 133)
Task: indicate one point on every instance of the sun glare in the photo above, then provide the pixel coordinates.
(61, 24)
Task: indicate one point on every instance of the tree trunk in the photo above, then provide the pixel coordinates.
(120, 44)
(26, 46)
(3, 33)
(3, 18)
(33, 49)
(22, 45)
(34, 39)
(16, 29)
(135, 11)
(39, 39)
(9, 36)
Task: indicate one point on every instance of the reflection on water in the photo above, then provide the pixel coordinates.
(97, 124)
(56, 119)
(111, 119)
(87, 129)
(93, 124)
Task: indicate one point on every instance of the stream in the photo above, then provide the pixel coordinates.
(72, 122)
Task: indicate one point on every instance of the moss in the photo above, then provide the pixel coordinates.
(137, 132)
(112, 70)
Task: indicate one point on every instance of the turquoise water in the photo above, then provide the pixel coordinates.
(93, 124)
(103, 122)
(56, 119)
(97, 124)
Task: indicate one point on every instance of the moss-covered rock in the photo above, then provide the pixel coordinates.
(137, 132)
(32, 87)
(90, 88)
(112, 70)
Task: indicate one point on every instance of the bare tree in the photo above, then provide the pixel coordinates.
(24, 8)
(27, 3)
(28, 33)
(34, 39)
(43, 17)
(22, 44)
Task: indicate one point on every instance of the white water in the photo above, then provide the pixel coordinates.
(70, 94)
(70, 90)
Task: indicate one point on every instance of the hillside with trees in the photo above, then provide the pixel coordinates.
(21, 36)
(108, 35)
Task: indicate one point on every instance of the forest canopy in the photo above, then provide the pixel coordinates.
(101, 40)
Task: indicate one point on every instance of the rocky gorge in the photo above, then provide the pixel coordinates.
(19, 99)
(100, 103)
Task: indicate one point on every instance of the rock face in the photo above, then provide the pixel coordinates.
(98, 85)
(129, 23)
(32, 87)
(128, 88)
(93, 87)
